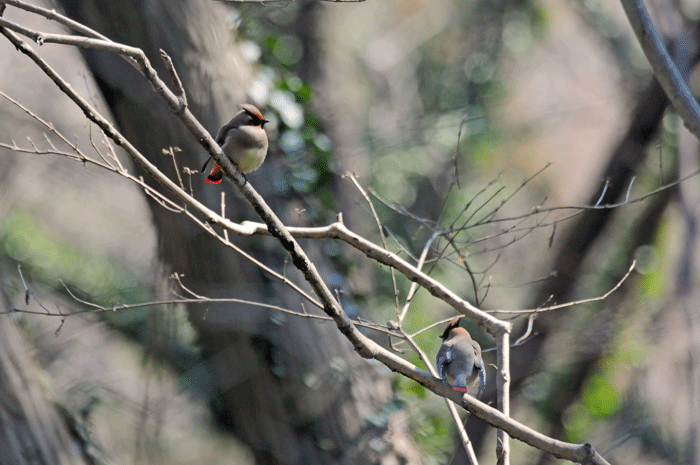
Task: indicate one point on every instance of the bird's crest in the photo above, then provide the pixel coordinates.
(454, 323)
(253, 112)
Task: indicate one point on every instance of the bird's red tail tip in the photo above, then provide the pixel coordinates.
(216, 175)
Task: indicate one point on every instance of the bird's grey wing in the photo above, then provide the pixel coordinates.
(482, 376)
(443, 358)
(221, 135)
(477, 349)
(479, 365)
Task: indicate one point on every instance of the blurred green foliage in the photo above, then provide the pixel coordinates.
(66, 269)
(56, 264)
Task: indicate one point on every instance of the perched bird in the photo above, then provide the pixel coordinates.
(244, 142)
(459, 358)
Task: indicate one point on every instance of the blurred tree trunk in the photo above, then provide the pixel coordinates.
(32, 430)
(292, 389)
(578, 243)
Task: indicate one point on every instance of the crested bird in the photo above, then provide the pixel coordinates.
(243, 140)
(459, 359)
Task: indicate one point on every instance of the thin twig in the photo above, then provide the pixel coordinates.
(179, 90)
(414, 286)
(28, 292)
(380, 227)
(569, 304)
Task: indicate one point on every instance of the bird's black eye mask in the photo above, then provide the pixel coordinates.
(256, 119)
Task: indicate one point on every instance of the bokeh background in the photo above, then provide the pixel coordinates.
(472, 115)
